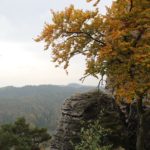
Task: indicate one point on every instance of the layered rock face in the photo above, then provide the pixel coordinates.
(89, 106)
(76, 109)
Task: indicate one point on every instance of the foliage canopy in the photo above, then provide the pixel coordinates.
(116, 44)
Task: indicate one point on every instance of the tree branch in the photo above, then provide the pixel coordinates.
(88, 35)
(131, 5)
(138, 37)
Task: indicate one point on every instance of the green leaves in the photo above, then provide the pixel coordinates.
(92, 137)
(21, 136)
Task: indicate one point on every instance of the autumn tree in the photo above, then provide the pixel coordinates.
(115, 44)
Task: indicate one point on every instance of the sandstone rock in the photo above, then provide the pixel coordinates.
(75, 109)
(121, 119)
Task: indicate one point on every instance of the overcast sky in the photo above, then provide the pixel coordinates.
(23, 61)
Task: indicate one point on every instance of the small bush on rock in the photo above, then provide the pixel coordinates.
(94, 137)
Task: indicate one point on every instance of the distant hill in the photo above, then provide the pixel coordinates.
(40, 105)
(75, 85)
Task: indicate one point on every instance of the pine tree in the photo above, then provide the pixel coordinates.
(21, 136)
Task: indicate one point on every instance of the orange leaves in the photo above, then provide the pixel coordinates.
(46, 34)
(131, 48)
(72, 32)
(126, 91)
(116, 44)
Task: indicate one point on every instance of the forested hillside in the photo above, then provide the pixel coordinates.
(40, 105)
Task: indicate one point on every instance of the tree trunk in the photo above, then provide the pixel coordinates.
(140, 129)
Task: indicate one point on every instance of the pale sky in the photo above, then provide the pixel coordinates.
(22, 60)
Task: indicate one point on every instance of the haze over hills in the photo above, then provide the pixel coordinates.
(40, 105)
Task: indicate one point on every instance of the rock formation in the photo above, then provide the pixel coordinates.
(88, 106)
(76, 109)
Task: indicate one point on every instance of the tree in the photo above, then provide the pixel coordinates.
(116, 45)
(20, 136)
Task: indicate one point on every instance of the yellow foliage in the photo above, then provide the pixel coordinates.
(116, 44)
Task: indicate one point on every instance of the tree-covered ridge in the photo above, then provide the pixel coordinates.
(40, 105)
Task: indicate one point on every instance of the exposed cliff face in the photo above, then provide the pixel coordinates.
(89, 106)
(76, 109)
